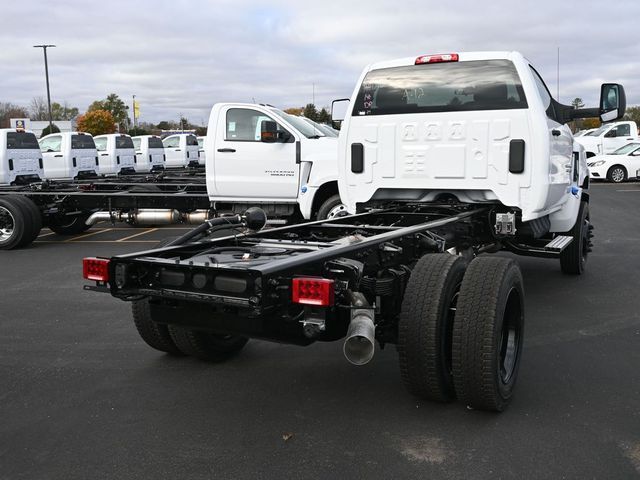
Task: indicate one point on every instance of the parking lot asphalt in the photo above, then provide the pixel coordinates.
(81, 396)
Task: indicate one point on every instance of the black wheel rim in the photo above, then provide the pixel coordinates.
(510, 337)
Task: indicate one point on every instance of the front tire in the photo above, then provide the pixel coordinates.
(488, 333)
(332, 207)
(573, 259)
(206, 346)
(425, 326)
(617, 174)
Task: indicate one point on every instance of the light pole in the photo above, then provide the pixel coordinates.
(46, 73)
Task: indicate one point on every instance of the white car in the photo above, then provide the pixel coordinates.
(617, 166)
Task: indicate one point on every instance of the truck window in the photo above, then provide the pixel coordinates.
(82, 142)
(441, 87)
(171, 142)
(544, 94)
(22, 141)
(623, 130)
(244, 124)
(192, 141)
(122, 141)
(155, 142)
(101, 144)
(52, 143)
(136, 143)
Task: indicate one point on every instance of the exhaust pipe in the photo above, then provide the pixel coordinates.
(150, 216)
(359, 345)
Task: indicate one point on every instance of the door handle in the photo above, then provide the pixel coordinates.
(104, 154)
(178, 150)
(630, 138)
(555, 133)
(228, 150)
(58, 156)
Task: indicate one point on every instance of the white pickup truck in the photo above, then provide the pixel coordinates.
(609, 137)
(69, 155)
(446, 158)
(116, 154)
(20, 157)
(260, 155)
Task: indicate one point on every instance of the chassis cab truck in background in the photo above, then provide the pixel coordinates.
(116, 154)
(149, 153)
(69, 155)
(20, 157)
(442, 159)
(181, 150)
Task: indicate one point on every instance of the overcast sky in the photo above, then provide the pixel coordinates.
(181, 57)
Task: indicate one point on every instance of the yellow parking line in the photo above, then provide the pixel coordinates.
(88, 235)
(137, 235)
(46, 234)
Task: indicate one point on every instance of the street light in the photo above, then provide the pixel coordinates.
(46, 73)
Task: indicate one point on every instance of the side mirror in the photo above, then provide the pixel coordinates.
(613, 102)
(339, 109)
(268, 131)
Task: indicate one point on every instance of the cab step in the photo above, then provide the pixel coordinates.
(559, 243)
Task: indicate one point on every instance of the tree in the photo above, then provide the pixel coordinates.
(588, 123)
(310, 112)
(201, 131)
(577, 103)
(38, 109)
(47, 131)
(164, 125)
(116, 107)
(294, 111)
(135, 131)
(8, 111)
(324, 116)
(633, 114)
(63, 112)
(96, 122)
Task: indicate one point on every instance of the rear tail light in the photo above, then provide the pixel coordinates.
(446, 57)
(95, 269)
(313, 291)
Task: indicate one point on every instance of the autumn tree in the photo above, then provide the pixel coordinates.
(588, 123)
(8, 111)
(294, 111)
(96, 122)
(116, 107)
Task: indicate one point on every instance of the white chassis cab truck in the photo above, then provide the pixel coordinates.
(116, 154)
(181, 150)
(20, 157)
(609, 137)
(69, 155)
(150, 154)
(443, 160)
(260, 155)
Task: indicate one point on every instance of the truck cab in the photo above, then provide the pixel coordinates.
(260, 155)
(181, 150)
(69, 155)
(201, 154)
(478, 127)
(149, 151)
(116, 154)
(609, 137)
(20, 157)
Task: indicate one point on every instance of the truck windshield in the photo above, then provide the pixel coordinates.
(82, 142)
(628, 148)
(124, 142)
(599, 131)
(300, 124)
(22, 140)
(441, 87)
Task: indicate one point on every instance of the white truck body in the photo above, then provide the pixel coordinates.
(181, 150)
(116, 154)
(300, 172)
(425, 131)
(20, 157)
(69, 155)
(202, 156)
(617, 166)
(609, 137)
(149, 153)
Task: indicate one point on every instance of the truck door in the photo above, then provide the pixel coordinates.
(173, 151)
(104, 159)
(617, 137)
(52, 157)
(245, 166)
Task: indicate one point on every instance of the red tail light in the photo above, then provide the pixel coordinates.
(445, 57)
(95, 269)
(312, 291)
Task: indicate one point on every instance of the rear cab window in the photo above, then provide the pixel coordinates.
(192, 141)
(82, 142)
(123, 141)
(22, 141)
(101, 144)
(441, 87)
(155, 142)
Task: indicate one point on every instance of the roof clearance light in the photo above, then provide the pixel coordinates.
(312, 291)
(445, 57)
(95, 269)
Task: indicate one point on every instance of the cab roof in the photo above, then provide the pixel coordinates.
(462, 57)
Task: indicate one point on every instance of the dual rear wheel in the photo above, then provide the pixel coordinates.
(20, 222)
(461, 330)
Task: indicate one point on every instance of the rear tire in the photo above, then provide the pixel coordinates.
(617, 174)
(206, 346)
(34, 215)
(425, 326)
(573, 259)
(488, 333)
(16, 229)
(154, 334)
(69, 225)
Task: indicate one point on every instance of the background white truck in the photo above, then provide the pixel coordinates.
(69, 155)
(116, 154)
(20, 157)
(290, 171)
(445, 158)
(609, 137)
(181, 150)
(149, 153)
